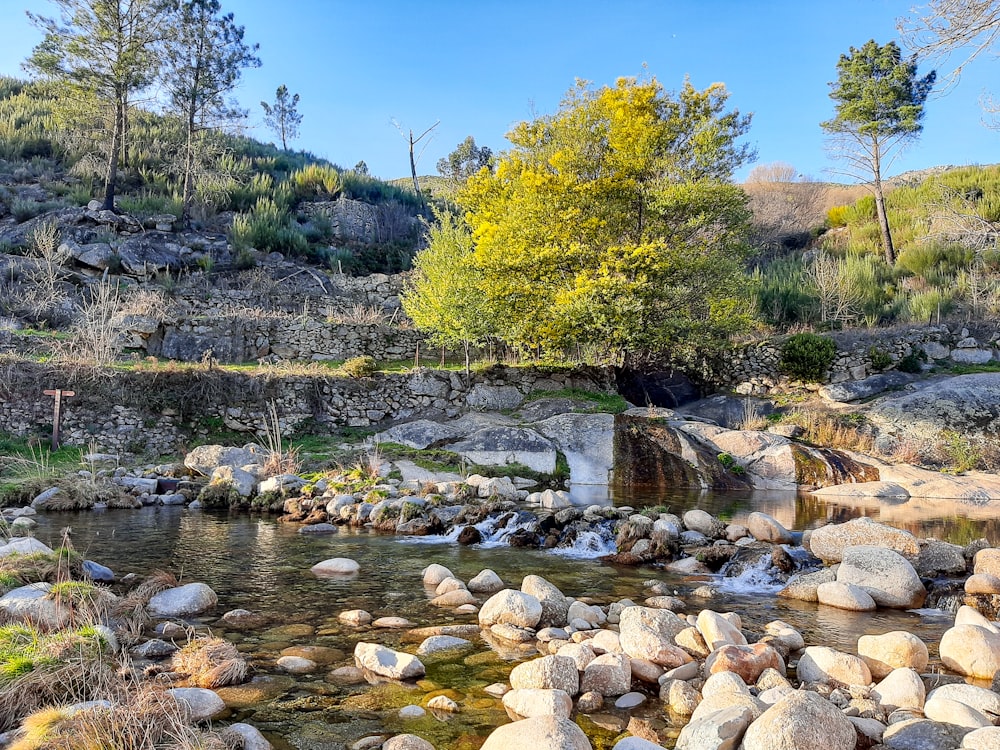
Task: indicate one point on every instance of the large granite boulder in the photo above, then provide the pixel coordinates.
(419, 434)
(386, 662)
(538, 733)
(886, 575)
(587, 441)
(966, 404)
(801, 721)
(206, 458)
(828, 542)
(499, 446)
(182, 601)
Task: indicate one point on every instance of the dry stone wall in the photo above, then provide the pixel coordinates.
(159, 410)
(756, 368)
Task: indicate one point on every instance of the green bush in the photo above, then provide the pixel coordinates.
(785, 295)
(930, 305)
(912, 362)
(879, 358)
(359, 367)
(807, 357)
(268, 228)
(316, 181)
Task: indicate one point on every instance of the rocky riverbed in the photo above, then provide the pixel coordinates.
(659, 660)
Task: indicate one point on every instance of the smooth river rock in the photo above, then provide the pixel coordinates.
(646, 633)
(889, 651)
(384, 661)
(971, 650)
(822, 664)
(190, 599)
(532, 702)
(539, 733)
(548, 673)
(336, 566)
(510, 607)
(801, 721)
(828, 542)
(886, 575)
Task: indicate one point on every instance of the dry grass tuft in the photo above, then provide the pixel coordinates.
(158, 581)
(210, 663)
(143, 719)
(280, 459)
(834, 430)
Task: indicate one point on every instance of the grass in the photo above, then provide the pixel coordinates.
(610, 403)
(958, 369)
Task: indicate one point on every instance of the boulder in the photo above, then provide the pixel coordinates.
(828, 542)
(395, 665)
(555, 605)
(805, 586)
(901, 688)
(502, 445)
(434, 574)
(336, 566)
(181, 601)
(718, 631)
(485, 582)
(801, 721)
(419, 434)
(853, 390)
(248, 736)
(607, 674)
(538, 733)
(937, 558)
(765, 528)
(512, 608)
(966, 404)
(647, 633)
(948, 711)
(922, 734)
(482, 397)
(547, 673)
(746, 661)
(407, 742)
(822, 664)
(206, 458)
(704, 523)
(31, 603)
(845, 596)
(27, 545)
(981, 699)
(586, 440)
(435, 644)
(886, 575)
(889, 651)
(199, 704)
(532, 702)
(719, 730)
(987, 738)
(240, 480)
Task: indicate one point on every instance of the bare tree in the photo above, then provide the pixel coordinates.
(413, 142)
(839, 300)
(784, 203)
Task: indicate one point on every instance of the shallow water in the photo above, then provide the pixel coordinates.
(258, 564)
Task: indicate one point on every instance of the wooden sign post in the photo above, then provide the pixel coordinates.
(59, 394)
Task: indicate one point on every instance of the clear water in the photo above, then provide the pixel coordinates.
(255, 563)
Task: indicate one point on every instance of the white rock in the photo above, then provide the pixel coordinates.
(971, 650)
(512, 608)
(718, 631)
(719, 730)
(845, 596)
(336, 566)
(407, 742)
(485, 582)
(199, 703)
(547, 673)
(433, 574)
(800, 721)
(607, 674)
(539, 733)
(901, 688)
(982, 700)
(822, 664)
(296, 664)
(886, 652)
(949, 711)
(249, 736)
(647, 633)
(437, 643)
(532, 702)
(190, 599)
(384, 661)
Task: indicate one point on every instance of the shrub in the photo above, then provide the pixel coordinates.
(837, 216)
(807, 357)
(912, 362)
(316, 181)
(930, 305)
(359, 367)
(879, 358)
(267, 227)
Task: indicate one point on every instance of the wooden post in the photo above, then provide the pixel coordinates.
(59, 394)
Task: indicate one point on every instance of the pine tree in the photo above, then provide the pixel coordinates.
(282, 116)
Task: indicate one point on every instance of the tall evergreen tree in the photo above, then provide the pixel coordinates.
(879, 107)
(282, 117)
(102, 52)
(205, 58)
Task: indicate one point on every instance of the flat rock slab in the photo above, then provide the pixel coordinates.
(499, 446)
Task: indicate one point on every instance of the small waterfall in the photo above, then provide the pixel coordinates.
(759, 577)
(595, 542)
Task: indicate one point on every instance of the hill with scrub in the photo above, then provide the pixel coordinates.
(944, 224)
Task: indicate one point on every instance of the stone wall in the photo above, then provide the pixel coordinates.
(755, 368)
(158, 410)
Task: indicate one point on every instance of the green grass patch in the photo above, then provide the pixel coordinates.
(959, 369)
(610, 403)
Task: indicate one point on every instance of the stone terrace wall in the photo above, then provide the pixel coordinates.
(755, 368)
(160, 410)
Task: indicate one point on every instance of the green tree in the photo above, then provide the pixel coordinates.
(205, 58)
(101, 53)
(879, 103)
(361, 168)
(614, 225)
(282, 117)
(465, 161)
(442, 296)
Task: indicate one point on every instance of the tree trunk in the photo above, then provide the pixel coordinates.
(468, 364)
(112, 174)
(188, 192)
(413, 167)
(883, 217)
(125, 132)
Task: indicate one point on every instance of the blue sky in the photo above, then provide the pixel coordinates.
(479, 66)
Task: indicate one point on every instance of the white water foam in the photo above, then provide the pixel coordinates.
(588, 545)
(758, 578)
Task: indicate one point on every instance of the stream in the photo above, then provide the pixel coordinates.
(255, 563)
